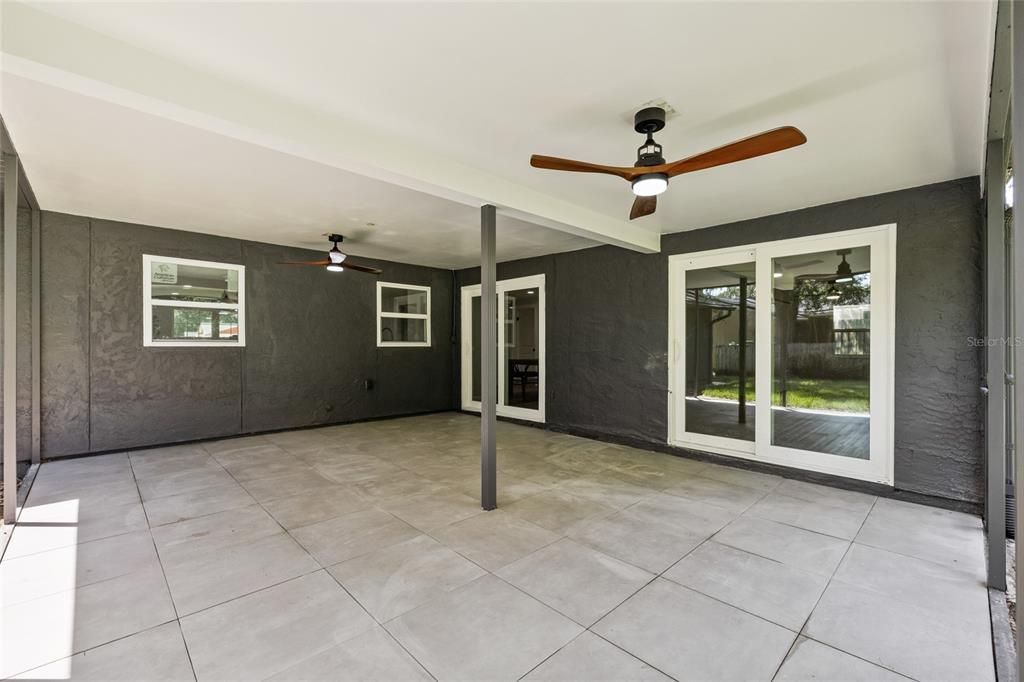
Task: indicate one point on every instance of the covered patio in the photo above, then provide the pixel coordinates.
(361, 552)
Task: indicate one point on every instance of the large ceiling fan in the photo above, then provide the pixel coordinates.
(336, 261)
(650, 174)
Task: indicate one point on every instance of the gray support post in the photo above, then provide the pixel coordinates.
(995, 364)
(742, 360)
(488, 359)
(37, 279)
(1017, 136)
(10, 329)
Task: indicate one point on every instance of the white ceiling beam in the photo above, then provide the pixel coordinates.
(50, 50)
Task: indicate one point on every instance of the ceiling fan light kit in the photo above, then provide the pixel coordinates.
(650, 174)
(650, 184)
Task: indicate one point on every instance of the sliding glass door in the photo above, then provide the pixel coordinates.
(520, 337)
(782, 352)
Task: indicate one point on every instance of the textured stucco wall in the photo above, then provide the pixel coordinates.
(607, 330)
(310, 339)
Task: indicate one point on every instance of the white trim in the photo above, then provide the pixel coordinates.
(406, 316)
(467, 295)
(880, 467)
(148, 302)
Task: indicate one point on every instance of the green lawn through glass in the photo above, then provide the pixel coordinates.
(845, 395)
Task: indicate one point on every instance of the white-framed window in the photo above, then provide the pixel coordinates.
(403, 314)
(192, 302)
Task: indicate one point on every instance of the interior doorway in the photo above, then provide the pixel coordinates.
(520, 335)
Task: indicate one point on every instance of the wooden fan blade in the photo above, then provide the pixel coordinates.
(555, 163)
(361, 268)
(747, 148)
(321, 263)
(643, 206)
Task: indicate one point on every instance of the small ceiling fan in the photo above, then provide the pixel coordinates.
(650, 174)
(335, 259)
(843, 274)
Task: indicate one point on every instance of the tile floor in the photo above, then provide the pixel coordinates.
(360, 552)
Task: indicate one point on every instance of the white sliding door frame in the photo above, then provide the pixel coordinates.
(879, 467)
(466, 347)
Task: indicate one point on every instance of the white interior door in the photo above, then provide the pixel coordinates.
(783, 352)
(521, 357)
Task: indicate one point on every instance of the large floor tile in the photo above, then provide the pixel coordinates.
(690, 515)
(59, 625)
(301, 480)
(217, 558)
(945, 537)
(195, 503)
(88, 492)
(159, 462)
(590, 658)
(42, 527)
(557, 510)
(834, 497)
(607, 489)
(352, 535)
(495, 539)
(374, 655)
(839, 522)
(766, 588)
(317, 505)
(809, 661)
(576, 580)
(693, 637)
(37, 575)
(733, 497)
(949, 592)
(638, 539)
(486, 630)
(399, 578)
(786, 544)
(904, 637)
(433, 510)
(510, 488)
(212, 532)
(263, 461)
(267, 632)
(156, 654)
(402, 484)
(186, 481)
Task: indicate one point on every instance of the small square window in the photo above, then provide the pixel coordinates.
(192, 303)
(403, 315)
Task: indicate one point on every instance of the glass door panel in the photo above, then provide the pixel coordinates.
(521, 364)
(719, 351)
(474, 366)
(520, 346)
(783, 352)
(821, 352)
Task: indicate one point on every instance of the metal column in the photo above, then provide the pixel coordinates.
(488, 359)
(36, 334)
(10, 329)
(1017, 136)
(995, 364)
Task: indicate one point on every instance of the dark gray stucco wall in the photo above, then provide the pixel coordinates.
(607, 328)
(310, 344)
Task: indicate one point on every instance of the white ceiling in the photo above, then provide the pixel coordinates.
(451, 99)
(93, 158)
